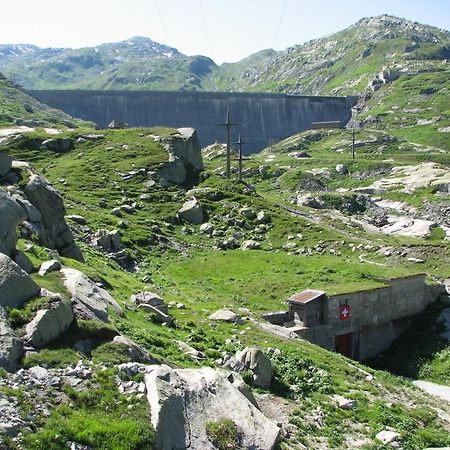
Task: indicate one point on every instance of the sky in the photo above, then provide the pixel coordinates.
(225, 30)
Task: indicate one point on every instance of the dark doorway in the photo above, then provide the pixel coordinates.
(344, 344)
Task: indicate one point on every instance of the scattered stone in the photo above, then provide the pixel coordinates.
(225, 315)
(194, 354)
(159, 315)
(250, 245)
(49, 266)
(262, 217)
(16, 286)
(387, 437)
(192, 212)
(149, 298)
(248, 213)
(182, 401)
(107, 240)
(80, 220)
(49, 324)
(345, 403)
(207, 228)
(341, 169)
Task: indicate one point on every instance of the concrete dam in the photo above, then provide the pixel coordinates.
(263, 118)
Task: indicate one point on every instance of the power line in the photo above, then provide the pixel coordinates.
(206, 29)
(162, 22)
(279, 23)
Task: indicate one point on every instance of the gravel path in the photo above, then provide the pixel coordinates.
(438, 390)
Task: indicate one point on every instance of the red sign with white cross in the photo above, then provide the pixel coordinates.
(344, 312)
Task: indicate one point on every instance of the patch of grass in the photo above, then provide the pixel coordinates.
(223, 433)
(52, 358)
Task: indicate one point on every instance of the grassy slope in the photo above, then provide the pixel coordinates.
(17, 108)
(206, 279)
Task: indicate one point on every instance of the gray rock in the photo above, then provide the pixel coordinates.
(262, 217)
(207, 228)
(160, 316)
(225, 315)
(182, 401)
(59, 145)
(345, 403)
(24, 262)
(192, 212)
(256, 361)
(149, 298)
(33, 214)
(250, 245)
(53, 230)
(193, 353)
(341, 169)
(89, 300)
(108, 240)
(11, 215)
(80, 220)
(387, 436)
(5, 164)
(136, 352)
(10, 345)
(49, 324)
(49, 266)
(16, 286)
(248, 213)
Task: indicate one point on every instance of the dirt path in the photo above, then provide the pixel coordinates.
(438, 390)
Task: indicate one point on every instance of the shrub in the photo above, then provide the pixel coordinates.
(223, 433)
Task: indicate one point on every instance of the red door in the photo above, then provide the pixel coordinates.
(344, 344)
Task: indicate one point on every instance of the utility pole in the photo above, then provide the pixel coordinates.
(228, 124)
(241, 158)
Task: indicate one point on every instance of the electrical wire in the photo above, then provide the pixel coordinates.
(279, 23)
(205, 27)
(162, 22)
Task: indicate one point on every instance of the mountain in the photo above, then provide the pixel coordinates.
(341, 63)
(137, 63)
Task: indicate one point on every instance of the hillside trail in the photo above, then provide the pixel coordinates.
(438, 390)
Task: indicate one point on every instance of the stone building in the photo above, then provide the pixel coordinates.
(359, 324)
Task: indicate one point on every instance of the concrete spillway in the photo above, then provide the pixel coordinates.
(264, 118)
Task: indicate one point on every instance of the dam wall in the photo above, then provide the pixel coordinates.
(264, 118)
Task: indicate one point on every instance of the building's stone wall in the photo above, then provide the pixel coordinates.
(264, 118)
(377, 316)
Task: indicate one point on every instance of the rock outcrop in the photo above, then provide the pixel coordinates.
(89, 301)
(16, 286)
(185, 157)
(183, 401)
(10, 344)
(52, 230)
(11, 215)
(5, 164)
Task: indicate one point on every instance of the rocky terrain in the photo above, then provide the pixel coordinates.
(134, 277)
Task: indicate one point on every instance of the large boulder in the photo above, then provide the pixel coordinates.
(135, 352)
(108, 240)
(192, 212)
(53, 230)
(59, 145)
(89, 300)
(225, 315)
(10, 344)
(49, 324)
(16, 286)
(11, 215)
(185, 157)
(183, 401)
(5, 164)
